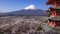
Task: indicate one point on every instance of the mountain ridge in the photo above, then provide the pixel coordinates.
(30, 10)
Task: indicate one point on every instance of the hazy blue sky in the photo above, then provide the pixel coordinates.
(13, 5)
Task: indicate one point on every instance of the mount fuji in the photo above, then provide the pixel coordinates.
(29, 10)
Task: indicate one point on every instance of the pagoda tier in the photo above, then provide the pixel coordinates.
(54, 11)
(55, 21)
(53, 2)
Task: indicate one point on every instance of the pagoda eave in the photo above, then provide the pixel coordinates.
(54, 20)
(57, 18)
(49, 3)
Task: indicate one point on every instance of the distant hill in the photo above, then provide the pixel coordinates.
(1, 14)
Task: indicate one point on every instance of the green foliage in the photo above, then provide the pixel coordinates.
(39, 28)
(1, 32)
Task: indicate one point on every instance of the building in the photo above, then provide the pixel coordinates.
(54, 13)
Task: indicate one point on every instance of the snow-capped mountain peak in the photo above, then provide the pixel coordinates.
(30, 7)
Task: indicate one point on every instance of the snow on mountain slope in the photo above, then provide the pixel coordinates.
(30, 7)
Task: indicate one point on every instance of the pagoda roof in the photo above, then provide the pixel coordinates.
(51, 1)
(52, 9)
(57, 18)
(57, 7)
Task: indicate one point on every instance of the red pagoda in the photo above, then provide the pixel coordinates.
(54, 13)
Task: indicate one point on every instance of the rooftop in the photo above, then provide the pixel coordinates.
(57, 18)
(58, 7)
